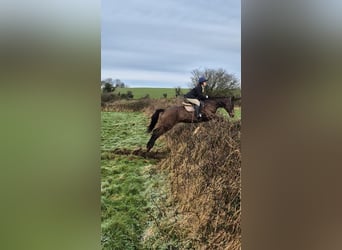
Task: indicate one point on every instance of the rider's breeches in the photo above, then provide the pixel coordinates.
(194, 101)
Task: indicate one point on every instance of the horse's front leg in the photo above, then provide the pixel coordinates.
(155, 135)
(157, 132)
(151, 142)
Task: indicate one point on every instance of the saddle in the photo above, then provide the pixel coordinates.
(188, 106)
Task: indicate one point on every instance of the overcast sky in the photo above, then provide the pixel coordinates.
(154, 43)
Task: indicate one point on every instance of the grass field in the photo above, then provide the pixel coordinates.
(123, 130)
(155, 92)
(237, 111)
(125, 180)
(152, 92)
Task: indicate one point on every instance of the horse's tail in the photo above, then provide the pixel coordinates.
(154, 119)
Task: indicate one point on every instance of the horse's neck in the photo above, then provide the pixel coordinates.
(211, 107)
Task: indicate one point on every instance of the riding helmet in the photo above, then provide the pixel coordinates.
(202, 79)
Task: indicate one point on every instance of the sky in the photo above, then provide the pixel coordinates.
(154, 43)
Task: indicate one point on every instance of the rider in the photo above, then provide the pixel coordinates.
(195, 95)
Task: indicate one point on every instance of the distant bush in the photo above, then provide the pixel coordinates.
(127, 105)
(128, 95)
(108, 87)
(178, 91)
(109, 97)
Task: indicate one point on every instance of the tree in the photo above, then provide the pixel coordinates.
(220, 83)
(117, 83)
(108, 87)
(108, 80)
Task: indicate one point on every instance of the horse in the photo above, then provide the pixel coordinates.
(170, 116)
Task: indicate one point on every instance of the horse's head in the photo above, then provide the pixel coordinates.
(228, 105)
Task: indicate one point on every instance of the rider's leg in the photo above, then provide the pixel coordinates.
(200, 108)
(196, 103)
(198, 111)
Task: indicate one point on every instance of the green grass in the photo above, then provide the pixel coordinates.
(125, 181)
(123, 204)
(120, 129)
(237, 112)
(156, 93)
(152, 92)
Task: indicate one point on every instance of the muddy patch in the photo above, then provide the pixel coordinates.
(141, 152)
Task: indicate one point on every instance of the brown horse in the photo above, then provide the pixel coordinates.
(169, 117)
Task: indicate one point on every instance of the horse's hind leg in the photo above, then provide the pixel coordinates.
(155, 135)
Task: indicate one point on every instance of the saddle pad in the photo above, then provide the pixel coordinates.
(186, 104)
(189, 108)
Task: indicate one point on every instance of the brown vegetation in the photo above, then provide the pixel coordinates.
(146, 105)
(126, 105)
(204, 176)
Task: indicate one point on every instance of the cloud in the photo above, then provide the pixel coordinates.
(165, 39)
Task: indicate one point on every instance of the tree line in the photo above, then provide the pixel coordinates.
(109, 85)
(220, 83)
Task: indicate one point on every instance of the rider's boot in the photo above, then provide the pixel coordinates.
(198, 112)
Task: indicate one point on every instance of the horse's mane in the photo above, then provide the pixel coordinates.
(218, 97)
(223, 97)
